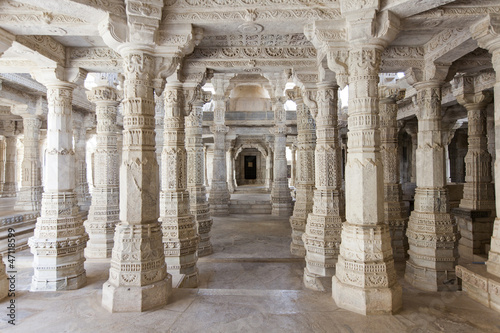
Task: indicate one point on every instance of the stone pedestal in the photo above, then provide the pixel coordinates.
(179, 233)
(324, 224)
(432, 233)
(476, 228)
(304, 183)
(138, 279)
(199, 207)
(395, 215)
(59, 239)
(29, 197)
(104, 209)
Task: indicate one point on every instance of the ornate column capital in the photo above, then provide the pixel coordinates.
(466, 94)
(103, 94)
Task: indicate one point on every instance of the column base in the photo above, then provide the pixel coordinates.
(316, 282)
(65, 283)
(429, 279)
(367, 301)
(29, 199)
(136, 298)
(297, 250)
(205, 249)
(183, 269)
(4, 282)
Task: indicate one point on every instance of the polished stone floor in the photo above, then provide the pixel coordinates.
(250, 284)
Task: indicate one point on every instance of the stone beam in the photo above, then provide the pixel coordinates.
(406, 8)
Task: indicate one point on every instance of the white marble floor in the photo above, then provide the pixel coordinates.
(250, 284)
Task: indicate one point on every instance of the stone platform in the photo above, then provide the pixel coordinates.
(250, 199)
(23, 222)
(480, 285)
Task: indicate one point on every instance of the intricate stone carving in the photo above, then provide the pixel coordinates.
(138, 279)
(180, 238)
(432, 233)
(104, 210)
(304, 181)
(324, 223)
(59, 231)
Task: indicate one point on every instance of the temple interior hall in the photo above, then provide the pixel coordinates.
(249, 165)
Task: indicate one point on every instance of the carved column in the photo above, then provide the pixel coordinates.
(179, 231)
(104, 209)
(304, 183)
(324, 224)
(30, 194)
(219, 192)
(395, 215)
(196, 176)
(294, 165)
(159, 123)
(487, 33)
(269, 169)
(59, 238)
(231, 184)
(476, 212)
(281, 198)
(490, 124)
(10, 184)
(432, 233)
(413, 131)
(138, 279)
(365, 280)
(82, 186)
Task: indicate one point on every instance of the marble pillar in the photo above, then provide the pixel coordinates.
(219, 192)
(29, 197)
(293, 170)
(395, 215)
(159, 123)
(180, 238)
(304, 183)
(59, 238)
(281, 199)
(231, 184)
(269, 169)
(322, 235)
(413, 131)
(476, 213)
(104, 209)
(365, 280)
(10, 183)
(490, 130)
(432, 233)
(199, 206)
(82, 186)
(138, 279)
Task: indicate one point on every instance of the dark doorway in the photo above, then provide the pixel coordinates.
(250, 167)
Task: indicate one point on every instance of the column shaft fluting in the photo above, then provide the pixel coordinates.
(138, 278)
(322, 235)
(104, 209)
(179, 232)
